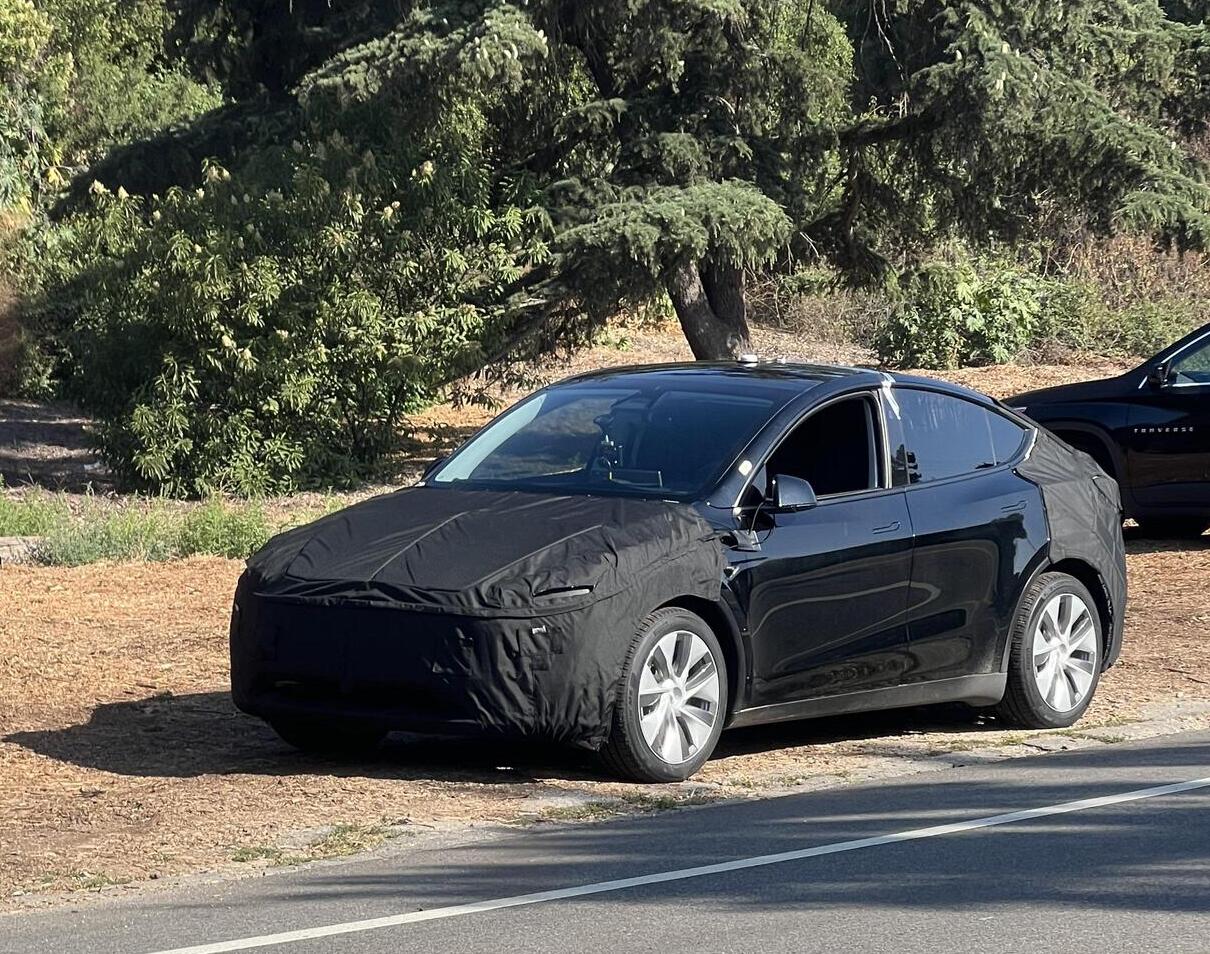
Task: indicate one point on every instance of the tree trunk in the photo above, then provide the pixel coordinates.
(710, 306)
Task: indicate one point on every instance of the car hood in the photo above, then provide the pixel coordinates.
(1102, 389)
(470, 550)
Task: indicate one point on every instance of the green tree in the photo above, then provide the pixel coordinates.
(30, 76)
(78, 77)
(680, 143)
(563, 159)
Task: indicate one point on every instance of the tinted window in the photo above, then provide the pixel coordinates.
(948, 436)
(1193, 367)
(1007, 436)
(668, 440)
(835, 450)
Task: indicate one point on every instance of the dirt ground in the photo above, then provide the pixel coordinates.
(122, 758)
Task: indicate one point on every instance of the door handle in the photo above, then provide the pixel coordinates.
(889, 528)
(1014, 507)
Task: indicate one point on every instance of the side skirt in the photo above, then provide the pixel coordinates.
(981, 690)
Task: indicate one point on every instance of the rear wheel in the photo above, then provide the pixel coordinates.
(1173, 528)
(334, 738)
(670, 710)
(1055, 662)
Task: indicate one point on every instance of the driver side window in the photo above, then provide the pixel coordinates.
(1193, 367)
(836, 450)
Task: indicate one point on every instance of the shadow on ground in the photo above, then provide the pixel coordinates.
(48, 444)
(204, 734)
(1137, 543)
(1119, 857)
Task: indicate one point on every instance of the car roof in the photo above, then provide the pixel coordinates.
(723, 371)
(801, 376)
(958, 390)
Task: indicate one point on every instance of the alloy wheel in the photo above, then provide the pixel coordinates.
(1065, 652)
(678, 696)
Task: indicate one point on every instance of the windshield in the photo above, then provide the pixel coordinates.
(661, 439)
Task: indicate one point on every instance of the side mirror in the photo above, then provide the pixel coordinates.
(1161, 375)
(792, 494)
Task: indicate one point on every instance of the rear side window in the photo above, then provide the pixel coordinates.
(1007, 436)
(947, 436)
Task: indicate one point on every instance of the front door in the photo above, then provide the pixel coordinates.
(826, 594)
(1168, 453)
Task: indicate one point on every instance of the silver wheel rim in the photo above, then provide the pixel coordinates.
(678, 696)
(1065, 652)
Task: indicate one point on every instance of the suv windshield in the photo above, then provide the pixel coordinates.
(660, 438)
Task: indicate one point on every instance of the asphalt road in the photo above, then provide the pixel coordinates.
(1098, 850)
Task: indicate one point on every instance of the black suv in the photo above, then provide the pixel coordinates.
(631, 560)
(1149, 429)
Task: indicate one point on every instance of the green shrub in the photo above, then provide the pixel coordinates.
(1076, 316)
(31, 514)
(113, 535)
(950, 315)
(251, 342)
(219, 529)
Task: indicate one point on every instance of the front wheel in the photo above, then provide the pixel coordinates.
(1055, 661)
(673, 700)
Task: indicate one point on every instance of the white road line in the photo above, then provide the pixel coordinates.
(682, 874)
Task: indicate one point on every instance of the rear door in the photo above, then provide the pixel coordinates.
(1168, 451)
(979, 529)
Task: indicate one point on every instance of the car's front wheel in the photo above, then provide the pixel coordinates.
(1055, 661)
(673, 700)
(1173, 528)
(333, 738)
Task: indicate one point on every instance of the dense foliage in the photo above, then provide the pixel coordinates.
(247, 343)
(958, 313)
(79, 76)
(397, 191)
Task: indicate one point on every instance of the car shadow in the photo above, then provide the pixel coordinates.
(889, 726)
(1138, 543)
(184, 736)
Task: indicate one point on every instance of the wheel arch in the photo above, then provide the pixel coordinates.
(1087, 574)
(721, 621)
(1094, 441)
(1093, 581)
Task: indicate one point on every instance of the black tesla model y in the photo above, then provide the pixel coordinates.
(1149, 428)
(632, 560)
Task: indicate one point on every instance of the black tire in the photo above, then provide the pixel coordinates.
(1173, 528)
(1023, 702)
(331, 738)
(627, 753)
